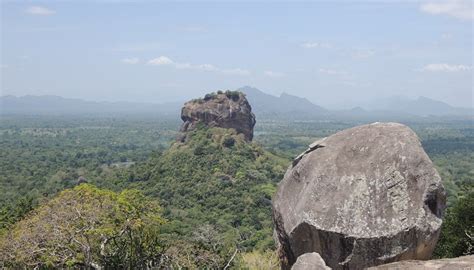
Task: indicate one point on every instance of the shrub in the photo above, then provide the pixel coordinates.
(457, 232)
(233, 95)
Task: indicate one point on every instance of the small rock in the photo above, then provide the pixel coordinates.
(81, 180)
(310, 261)
(460, 263)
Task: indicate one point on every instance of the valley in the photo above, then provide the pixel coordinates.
(44, 155)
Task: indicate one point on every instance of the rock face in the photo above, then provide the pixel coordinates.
(310, 261)
(226, 110)
(465, 262)
(362, 197)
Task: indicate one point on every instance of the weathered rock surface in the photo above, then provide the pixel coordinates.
(362, 197)
(310, 261)
(226, 110)
(460, 263)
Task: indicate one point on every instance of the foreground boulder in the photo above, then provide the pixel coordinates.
(362, 197)
(228, 109)
(465, 262)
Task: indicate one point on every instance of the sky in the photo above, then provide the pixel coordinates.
(338, 54)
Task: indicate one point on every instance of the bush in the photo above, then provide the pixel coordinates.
(233, 95)
(255, 260)
(86, 226)
(210, 96)
(228, 142)
(457, 232)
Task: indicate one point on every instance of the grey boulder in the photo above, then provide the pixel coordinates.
(362, 197)
(310, 261)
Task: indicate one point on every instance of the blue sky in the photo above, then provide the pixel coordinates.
(336, 53)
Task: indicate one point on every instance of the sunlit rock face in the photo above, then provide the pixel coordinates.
(364, 196)
(226, 110)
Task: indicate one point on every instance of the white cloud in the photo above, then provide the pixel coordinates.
(131, 61)
(160, 61)
(362, 54)
(38, 10)
(460, 9)
(206, 67)
(273, 74)
(236, 71)
(163, 60)
(332, 72)
(203, 67)
(442, 67)
(312, 45)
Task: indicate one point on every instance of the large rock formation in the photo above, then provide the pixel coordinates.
(460, 263)
(226, 110)
(364, 196)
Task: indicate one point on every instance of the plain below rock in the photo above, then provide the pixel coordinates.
(362, 197)
(460, 263)
(310, 261)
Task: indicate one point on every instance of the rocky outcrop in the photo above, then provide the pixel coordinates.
(465, 262)
(362, 197)
(81, 180)
(228, 109)
(310, 261)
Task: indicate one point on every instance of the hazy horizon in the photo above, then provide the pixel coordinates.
(368, 105)
(336, 54)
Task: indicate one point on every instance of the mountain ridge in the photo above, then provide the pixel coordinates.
(284, 104)
(422, 106)
(57, 105)
(264, 105)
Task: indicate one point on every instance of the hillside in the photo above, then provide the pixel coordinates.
(216, 184)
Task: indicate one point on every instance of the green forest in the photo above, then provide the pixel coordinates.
(125, 194)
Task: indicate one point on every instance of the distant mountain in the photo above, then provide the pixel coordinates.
(55, 105)
(267, 105)
(422, 106)
(263, 105)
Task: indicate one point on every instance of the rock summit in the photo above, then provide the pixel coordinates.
(229, 109)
